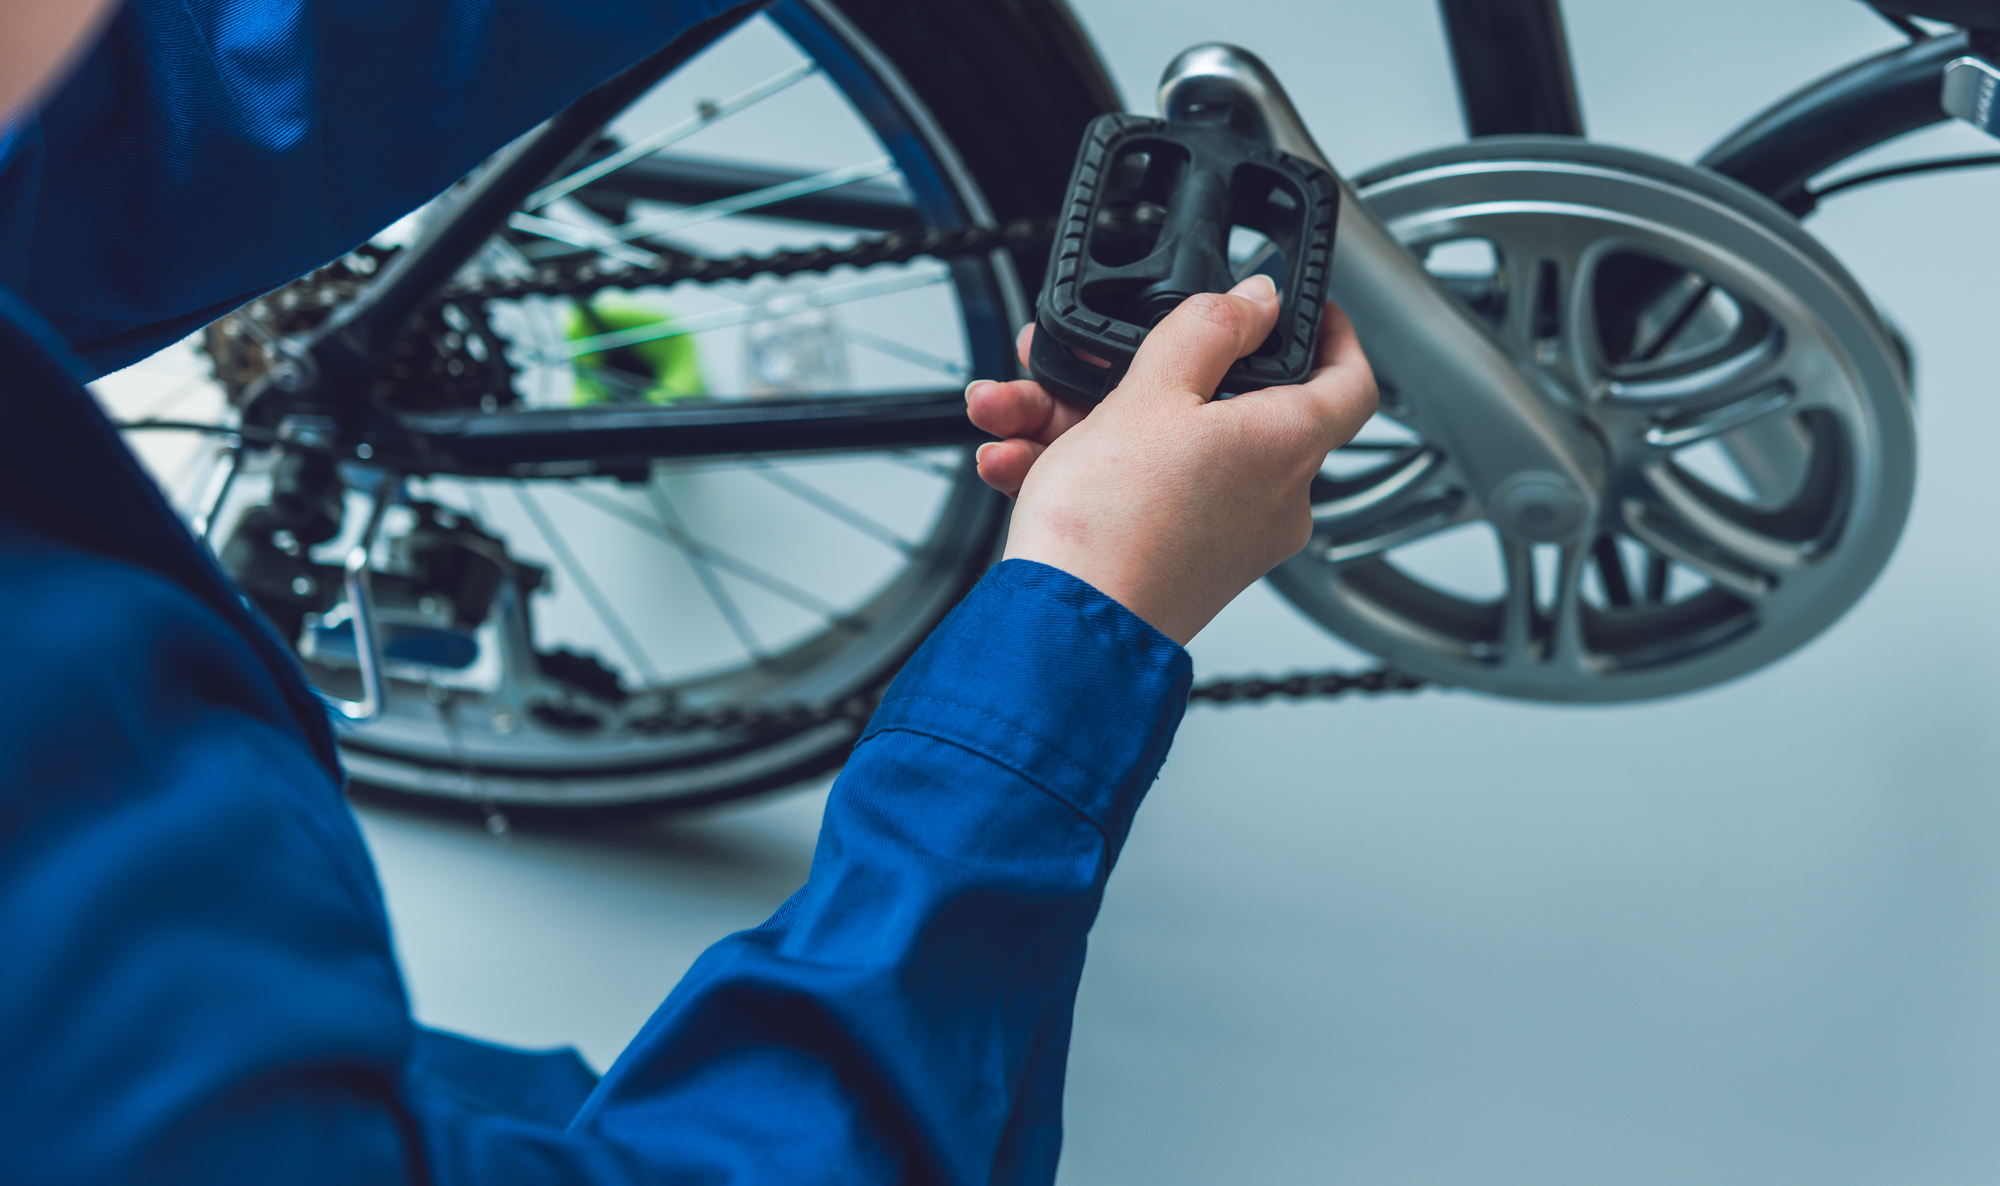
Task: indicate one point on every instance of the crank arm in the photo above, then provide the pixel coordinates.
(1533, 467)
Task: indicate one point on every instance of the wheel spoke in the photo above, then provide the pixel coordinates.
(668, 222)
(704, 571)
(673, 133)
(1566, 639)
(1550, 313)
(1755, 368)
(1394, 484)
(909, 354)
(1611, 571)
(1673, 540)
(1527, 636)
(579, 229)
(625, 387)
(714, 555)
(1407, 527)
(832, 506)
(1658, 569)
(627, 641)
(1517, 604)
(212, 504)
(1681, 432)
(1753, 547)
(908, 460)
(819, 298)
(173, 398)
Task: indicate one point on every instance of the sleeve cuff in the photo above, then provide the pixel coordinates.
(1041, 673)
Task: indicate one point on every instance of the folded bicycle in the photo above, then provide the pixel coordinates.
(627, 472)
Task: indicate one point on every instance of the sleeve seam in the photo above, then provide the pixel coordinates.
(1102, 836)
(1075, 766)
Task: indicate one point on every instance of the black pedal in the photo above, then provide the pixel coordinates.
(1151, 210)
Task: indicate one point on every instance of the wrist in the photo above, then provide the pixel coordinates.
(1110, 567)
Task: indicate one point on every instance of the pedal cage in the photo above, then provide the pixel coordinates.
(1147, 223)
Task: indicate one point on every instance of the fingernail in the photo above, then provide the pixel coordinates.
(975, 385)
(979, 454)
(1258, 288)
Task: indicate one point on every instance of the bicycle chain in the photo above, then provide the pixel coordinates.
(857, 709)
(584, 278)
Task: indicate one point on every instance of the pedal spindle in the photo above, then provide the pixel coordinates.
(1152, 210)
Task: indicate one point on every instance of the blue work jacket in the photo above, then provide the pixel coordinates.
(198, 983)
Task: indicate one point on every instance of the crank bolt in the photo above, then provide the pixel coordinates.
(1539, 506)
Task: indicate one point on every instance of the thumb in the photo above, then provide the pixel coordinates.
(1191, 349)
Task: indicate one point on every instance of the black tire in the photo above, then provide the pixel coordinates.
(1011, 82)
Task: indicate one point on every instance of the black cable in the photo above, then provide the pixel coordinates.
(257, 435)
(1932, 166)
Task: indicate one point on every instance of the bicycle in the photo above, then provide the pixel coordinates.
(1688, 423)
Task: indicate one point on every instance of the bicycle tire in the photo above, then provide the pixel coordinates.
(960, 65)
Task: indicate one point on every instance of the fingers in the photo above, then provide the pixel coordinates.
(1004, 465)
(1024, 415)
(1342, 384)
(1339, 395)
(1020, 408)
(1192, 348)
(1338, 344)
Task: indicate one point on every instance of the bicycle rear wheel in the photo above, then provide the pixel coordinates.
(593, 658)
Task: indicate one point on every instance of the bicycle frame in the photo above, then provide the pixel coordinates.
(1512, 62)
(1514, 76)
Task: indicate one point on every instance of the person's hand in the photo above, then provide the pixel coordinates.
(1164, 499)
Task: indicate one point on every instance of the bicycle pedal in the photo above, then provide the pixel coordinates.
(1153, 209)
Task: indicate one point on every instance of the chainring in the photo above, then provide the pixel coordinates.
(1754, 414)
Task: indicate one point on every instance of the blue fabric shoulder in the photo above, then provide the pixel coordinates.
(64, 470)
(204, 153)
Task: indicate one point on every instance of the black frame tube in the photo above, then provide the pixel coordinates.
(1513, 65)
(564, 442)
(1782, 148)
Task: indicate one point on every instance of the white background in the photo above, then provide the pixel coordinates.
(1747, 936)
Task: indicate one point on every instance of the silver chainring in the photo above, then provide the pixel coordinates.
(1754, 412)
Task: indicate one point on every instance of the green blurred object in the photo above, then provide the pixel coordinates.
(658, 371)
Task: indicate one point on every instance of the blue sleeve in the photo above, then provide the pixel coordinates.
(200, 984)
(906, 1015)
(207, 151)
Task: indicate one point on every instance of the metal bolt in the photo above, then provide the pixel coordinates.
(1540, 506)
